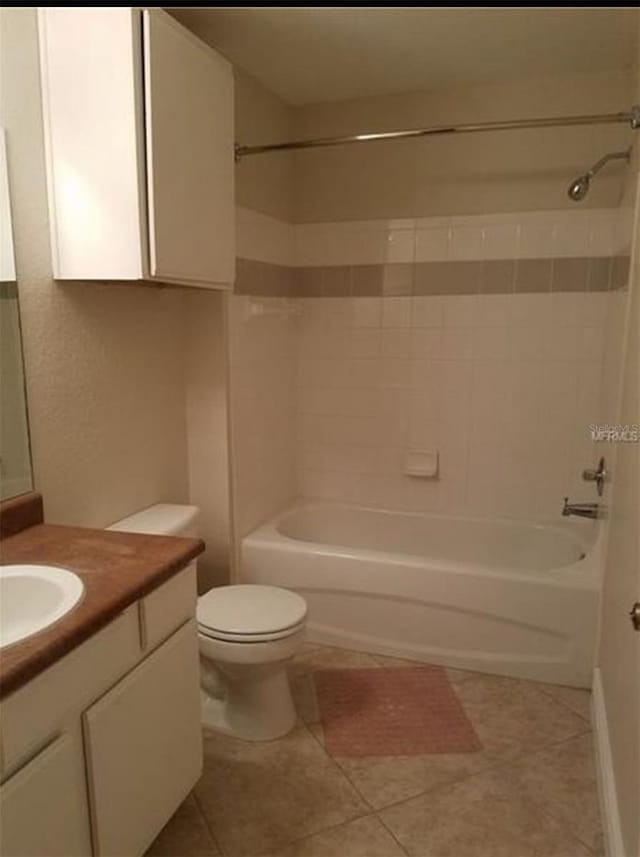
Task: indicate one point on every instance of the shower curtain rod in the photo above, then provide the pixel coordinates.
(632, 118)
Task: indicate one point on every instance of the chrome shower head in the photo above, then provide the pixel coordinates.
(579, 187)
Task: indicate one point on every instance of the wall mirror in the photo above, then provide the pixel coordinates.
(15, 453)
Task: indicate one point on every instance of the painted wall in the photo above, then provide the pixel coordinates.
(467, 174)
(206, 387)
(262, 348)
(263, 184)
(104, 363)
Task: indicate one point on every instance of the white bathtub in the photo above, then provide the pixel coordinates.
(500, 596)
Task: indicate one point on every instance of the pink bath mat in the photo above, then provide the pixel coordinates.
(408, 711)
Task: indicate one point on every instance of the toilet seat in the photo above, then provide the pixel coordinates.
(250, 613)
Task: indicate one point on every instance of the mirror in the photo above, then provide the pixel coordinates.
(15, 454)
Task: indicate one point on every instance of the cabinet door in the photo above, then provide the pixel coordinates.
(190, 157)
(143, 743)
(91, 72)
(43, 806)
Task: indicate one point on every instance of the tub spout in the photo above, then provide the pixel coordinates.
(583, 510)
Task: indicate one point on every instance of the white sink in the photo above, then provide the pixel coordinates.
(32, 597)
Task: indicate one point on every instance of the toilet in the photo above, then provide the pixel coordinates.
(246, 635)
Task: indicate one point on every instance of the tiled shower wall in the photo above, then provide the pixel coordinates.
(480, 338)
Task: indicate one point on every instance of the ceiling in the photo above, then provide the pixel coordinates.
(314, 54)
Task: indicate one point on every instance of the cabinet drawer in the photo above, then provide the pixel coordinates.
(168, 607)
(37, 711)
(143, 744)
(44, 806)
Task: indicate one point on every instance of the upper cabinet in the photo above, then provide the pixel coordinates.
(138, 117)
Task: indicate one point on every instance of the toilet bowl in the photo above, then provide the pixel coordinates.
(246, 635)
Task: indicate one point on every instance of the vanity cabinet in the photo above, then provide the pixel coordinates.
(143, 754)
(138, 124)
(99, 750)
(43, 807)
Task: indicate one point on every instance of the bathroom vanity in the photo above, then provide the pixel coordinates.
(100, 734)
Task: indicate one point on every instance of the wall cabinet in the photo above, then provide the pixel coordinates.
(138, 123)
(101, 748)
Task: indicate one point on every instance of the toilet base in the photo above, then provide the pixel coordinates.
(254, 704)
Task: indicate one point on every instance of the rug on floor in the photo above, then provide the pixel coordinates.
(406, 711)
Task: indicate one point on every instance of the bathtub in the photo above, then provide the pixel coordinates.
(510, 597)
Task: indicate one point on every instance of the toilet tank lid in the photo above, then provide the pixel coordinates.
(163, 519)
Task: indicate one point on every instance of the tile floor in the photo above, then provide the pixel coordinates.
(530, 792)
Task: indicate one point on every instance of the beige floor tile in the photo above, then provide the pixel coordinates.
(384, 780)
(512, 717)
(478, 817)
(562, 781)
(389, 779)
(575, 698)
(185, 835)
(313, 657)
(258, 797)
(323, 657)
(364, 837)
(303, 690)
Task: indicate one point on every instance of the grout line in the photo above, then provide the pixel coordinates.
(327, 829)
(203, 815)
(391, 833)
(566, 704)
(543, 811)
(335, 764)
(497, 765)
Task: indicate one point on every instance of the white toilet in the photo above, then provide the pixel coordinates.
(246, 636)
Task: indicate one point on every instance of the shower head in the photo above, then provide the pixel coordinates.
(579, 187)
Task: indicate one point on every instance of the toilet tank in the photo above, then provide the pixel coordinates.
(163, 519)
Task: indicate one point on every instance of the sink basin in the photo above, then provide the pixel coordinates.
(32, 597)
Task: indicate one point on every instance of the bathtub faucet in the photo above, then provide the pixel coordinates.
(583, 510)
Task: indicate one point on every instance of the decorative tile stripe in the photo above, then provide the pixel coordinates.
(492, 276)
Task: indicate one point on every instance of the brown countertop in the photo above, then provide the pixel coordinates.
(116, 568)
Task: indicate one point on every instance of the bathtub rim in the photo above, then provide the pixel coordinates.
(585, 572)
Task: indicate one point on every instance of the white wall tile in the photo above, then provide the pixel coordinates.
(396, 342)
(426, 342)
(538, 234)
(458, 310)
(401, 245)
(501, 241)
(500, 384)
(571, 236)
(367, 312)
(426, 311)
(465, 242)
(432, 245)
(264, 238)
(396, 312)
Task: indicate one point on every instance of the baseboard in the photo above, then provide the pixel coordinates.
(604, 766)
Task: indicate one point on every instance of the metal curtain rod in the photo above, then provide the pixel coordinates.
(632, 118)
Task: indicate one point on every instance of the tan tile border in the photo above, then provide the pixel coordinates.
(492, 276)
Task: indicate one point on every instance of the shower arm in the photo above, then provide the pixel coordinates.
(612, 156)
(631, 118)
